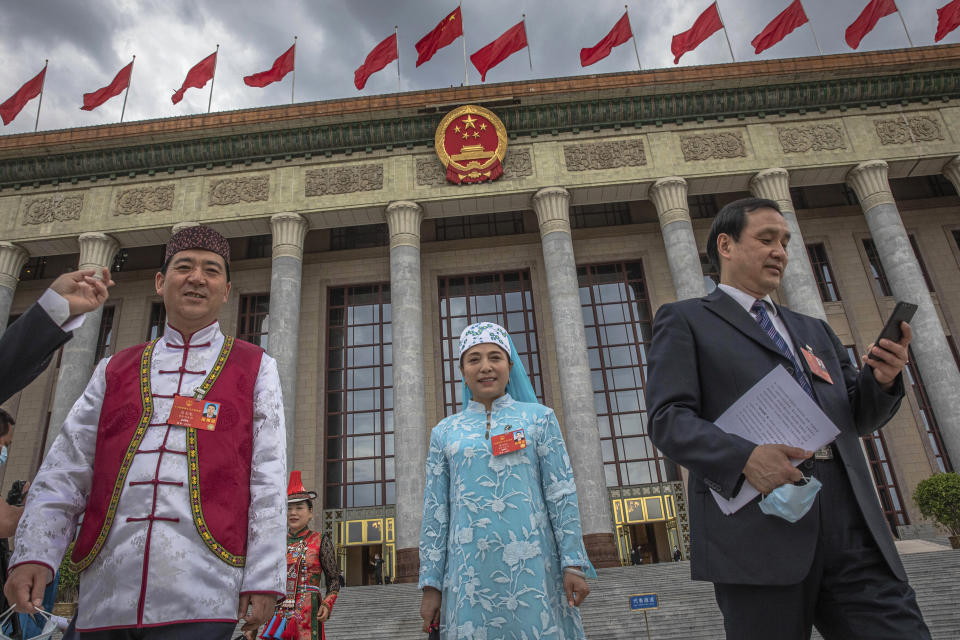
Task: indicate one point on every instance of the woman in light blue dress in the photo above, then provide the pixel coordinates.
(501, 548)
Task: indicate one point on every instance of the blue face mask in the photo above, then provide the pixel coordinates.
(3, 455)
(791, 502)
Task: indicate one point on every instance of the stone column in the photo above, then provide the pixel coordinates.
(930, 348)
(289, 231)
(669, 195)
(97, 250)
(409, 409)
(952, 171)
(576, 389)
(799, 285)
(12, 259)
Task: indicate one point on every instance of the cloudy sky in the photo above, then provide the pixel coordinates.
(88, 42)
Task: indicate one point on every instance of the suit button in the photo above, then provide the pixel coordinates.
(791, 370)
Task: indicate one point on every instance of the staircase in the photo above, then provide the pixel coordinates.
(687, 609)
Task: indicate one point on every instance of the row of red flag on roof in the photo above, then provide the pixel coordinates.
(510, 42)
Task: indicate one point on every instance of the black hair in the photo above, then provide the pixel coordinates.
(731, 220)
(166, 264)
(6, 421)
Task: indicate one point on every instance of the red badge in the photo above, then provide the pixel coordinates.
(508, 442)
(816, 365)
(471, 142)
(193, 413)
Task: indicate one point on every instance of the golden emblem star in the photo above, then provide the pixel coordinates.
(476, 135)
(457, 129)
(483, 126)
(469, 122)
(465, 135)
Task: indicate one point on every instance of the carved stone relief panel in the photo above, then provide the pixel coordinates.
(812, 137)
(713, 146)
(604, 155)
(329, 181)
(57, 208)
(136, 201)
(909, 128)
(430, 172)
(237, 190)
(518, 163)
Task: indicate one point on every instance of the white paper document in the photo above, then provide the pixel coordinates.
(776, 410)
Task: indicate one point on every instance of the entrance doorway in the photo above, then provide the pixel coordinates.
(360, 569)
(358, 538)
(647, 524)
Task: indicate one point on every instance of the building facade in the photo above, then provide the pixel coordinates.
(356, 264)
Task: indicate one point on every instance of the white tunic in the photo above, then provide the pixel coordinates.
(154, 572)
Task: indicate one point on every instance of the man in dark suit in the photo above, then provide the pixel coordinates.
(836, 567)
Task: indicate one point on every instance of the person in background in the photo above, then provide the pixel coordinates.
(501, 546)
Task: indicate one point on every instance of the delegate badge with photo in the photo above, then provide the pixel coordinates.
(817, 367)
(193, 413)
(508, 442)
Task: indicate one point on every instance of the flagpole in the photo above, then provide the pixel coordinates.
(215, 61)
(396, 33)
(463, 36)
(40, 101)
(127, 92)
(810, 22)
(900, 13)
(732, 57)
(523, 19)
(632, 37)
(293, 84)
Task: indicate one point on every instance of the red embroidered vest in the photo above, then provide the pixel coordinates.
(218, 462)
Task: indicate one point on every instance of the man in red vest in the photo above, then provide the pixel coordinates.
(184, 517)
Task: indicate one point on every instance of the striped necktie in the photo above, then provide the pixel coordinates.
(763, 319)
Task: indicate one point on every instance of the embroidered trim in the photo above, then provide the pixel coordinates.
(146, 401)
(193, 467)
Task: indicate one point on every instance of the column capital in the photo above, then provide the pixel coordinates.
(403, 219)
(289, 231)
(180, 226)
(552, 206)
(952, 171)
(97, 250)
(773, 184)
(12, 259)
(669, 196)
(869, 181)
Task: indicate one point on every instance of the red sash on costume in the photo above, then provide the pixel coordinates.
(218, 461)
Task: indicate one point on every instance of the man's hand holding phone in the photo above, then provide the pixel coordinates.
(888, 355)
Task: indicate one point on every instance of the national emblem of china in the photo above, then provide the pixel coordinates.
(471, 143)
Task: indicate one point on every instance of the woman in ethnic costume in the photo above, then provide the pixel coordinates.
(501, 547)
(301, 614)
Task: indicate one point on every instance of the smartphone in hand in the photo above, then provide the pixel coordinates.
(903, 312)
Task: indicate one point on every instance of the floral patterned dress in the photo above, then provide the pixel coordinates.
(498, 530)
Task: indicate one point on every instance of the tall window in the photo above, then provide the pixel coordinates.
(823, 272)
(119, 261)
(956, 237)
(105, 336)
(253, 325)
(259, 246)
(505, 298)
(359, 419)
(158, 317)
(888, 489)
(923, 265)
(362, 237)
(927, 416)
(33, 269)
(876, 268)
(618, 324)
(711, 277)
(481, 226)
(703, 206)
(606, 214)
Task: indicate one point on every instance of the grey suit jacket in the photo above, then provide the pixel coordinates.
(705, 353)
(26, 348)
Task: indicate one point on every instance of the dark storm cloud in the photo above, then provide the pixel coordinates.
(88, 42)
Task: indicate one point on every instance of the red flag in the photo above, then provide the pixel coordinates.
(513, 39)
(867, 20)
(281, 67)
(120, 82)
(781, 26)
(382, 55)
(620, 33)
(197, 77)
(449, 29)
(948, 19)
(705, 26)
(30, 90)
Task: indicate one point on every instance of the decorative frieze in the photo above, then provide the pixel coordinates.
(814, 137)
(237, 190)
(518, 163)
(430, 173)
(136, 201)
(713, 146)
(905, 129)
(57, 208)
(604, 155)
(330, 181)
